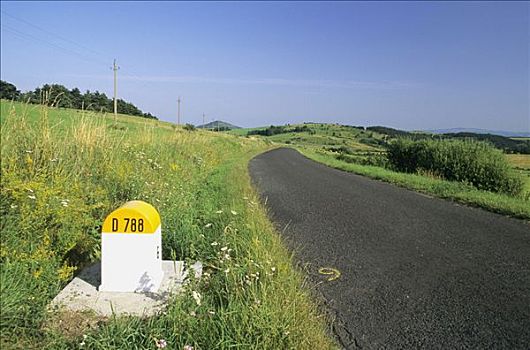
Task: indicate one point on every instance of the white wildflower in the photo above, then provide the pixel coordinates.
(161, 344)
(208, 225)
(32, 197)
(219, 212)
(214, 243)
(224, 248)
(197, 297)
(233, 212)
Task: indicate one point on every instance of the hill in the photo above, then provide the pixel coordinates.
(64, 170)
(481, 131)
(507, 144)
(218, 125)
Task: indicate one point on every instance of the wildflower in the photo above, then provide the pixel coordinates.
(233, 212)
(214, 243)
(54, 159)
(219, 212)
(208, 225)
(273, 269)
(224, 248)
(227, 270)
(188, 347)
(32, 197)
(28, 151)
(193, 314)
(65, 202)
(245, 198)
(82, 343)
(161, 343)
(13, 206)
(197, 297)
(211, 312)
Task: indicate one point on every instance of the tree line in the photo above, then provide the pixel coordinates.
(60, 96)
(274, 130)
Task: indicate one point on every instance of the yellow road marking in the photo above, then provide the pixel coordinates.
(334, 273)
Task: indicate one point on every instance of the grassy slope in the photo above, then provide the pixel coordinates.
(329, 135)
(63, 171)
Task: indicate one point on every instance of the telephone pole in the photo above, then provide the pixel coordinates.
(115, 69)
(203, 120)
(178, 112)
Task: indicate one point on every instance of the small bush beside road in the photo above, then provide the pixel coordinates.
(469, 161)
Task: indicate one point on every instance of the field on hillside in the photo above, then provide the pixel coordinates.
(63, 171)
(521, 162)
(363, 151)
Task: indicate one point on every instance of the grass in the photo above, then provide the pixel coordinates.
(521, 163)
(63, 171)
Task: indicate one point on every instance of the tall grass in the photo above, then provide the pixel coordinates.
(62, 175)
(473, 162)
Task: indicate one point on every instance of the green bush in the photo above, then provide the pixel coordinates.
(469, 161)
(189, 127)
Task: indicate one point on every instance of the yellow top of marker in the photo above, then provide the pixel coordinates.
(132, 217)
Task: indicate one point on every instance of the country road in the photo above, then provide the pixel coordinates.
(416, 272)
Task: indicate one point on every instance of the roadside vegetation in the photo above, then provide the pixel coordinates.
(467, 170)
(63, 171)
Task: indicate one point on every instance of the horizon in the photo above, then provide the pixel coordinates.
(409, 66)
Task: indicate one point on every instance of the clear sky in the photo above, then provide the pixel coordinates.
(410, 65)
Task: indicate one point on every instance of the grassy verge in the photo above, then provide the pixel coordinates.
(63, 171)
(513, 206)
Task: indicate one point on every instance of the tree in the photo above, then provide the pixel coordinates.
(8, 91)
(59, 96)
(76, 98)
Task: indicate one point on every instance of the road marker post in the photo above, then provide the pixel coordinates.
(131, 249)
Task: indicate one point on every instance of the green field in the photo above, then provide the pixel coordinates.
(63, 171)
(358, 151)
(521, 162)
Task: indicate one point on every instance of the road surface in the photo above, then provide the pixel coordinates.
(415, 272)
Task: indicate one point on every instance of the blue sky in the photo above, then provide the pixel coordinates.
(410, 65)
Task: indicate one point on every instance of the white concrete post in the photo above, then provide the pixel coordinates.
(131, 249)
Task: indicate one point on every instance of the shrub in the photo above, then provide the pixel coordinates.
(469, 161)
(189, 127)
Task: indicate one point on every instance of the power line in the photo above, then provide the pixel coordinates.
(56, 35)
(30, 37)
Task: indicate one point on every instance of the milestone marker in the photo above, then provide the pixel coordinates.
(131, 249)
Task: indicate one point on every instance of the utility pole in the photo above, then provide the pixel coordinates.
(115, 69)
(203, 120)
(178, 112)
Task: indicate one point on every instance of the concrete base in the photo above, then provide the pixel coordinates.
(81, 293)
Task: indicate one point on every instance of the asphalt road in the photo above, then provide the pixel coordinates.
(416, 272)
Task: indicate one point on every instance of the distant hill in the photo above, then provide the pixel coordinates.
(502, 142)
(481, 131)
(218, 124)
